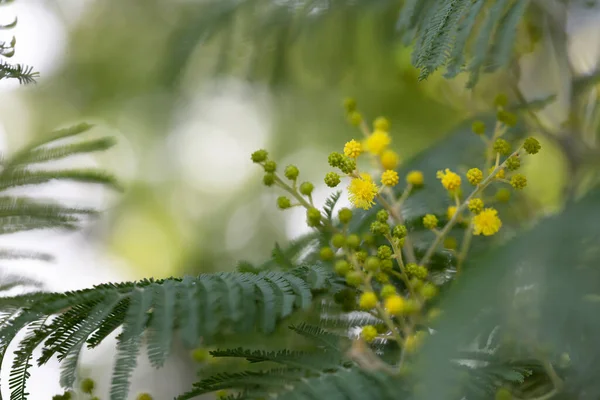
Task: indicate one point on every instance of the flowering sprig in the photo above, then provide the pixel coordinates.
(372, 270)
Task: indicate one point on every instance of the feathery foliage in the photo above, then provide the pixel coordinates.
(442, 31)
(24, 74)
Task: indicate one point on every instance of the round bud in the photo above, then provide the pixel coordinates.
(291, 172)
(368, 333)
(283, 202)
(507, 118)
(502, 146)
(200, 355)
(354, 278)
(342, 267)
(531, 145)
(143, 396)
(269, 179)
(361, 256)
(349, 104)
(399, 232)
(501, 100)
(387, 265)
(382, 124)
(387, 291)
(259, 156)
(478, 127)
(372, 264)
(518, 181)
(338, 240)
(345, 215)
(355, 118)
(270, 166)
(332, 179)
(384, 252)
(326, 254)
(335, 159)
(88, 385)
(503, 394)
(513, 163)
(306, 188)
(348, 165)
(353, 241)
(313, 217)
(382, 216)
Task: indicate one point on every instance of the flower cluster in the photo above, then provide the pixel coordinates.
(383, 276)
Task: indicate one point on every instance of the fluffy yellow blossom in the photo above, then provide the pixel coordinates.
(352, 149)
(486, 222)
(415, 178)
(389, 178)
(451, 211)
(368, 333)
(368, 300)
(362, 191)
(390, 159)
(377, 142)
(395, 304)
(450, 180)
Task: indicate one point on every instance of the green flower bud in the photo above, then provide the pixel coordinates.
(501, 100)
(507, 118)
(355, 118)
(348, 165)
(291, 172)
(531, 145)
(353, 241)
(387, 291)
(387, 264)
(513, 163)
(349, 104)
(342, 267)
(368, 239)
(382, 216)
(502, 146)
(269, 179)
(144, 396)
(338, 240)
(372, 264)
(306, 188)
(399, 232)
(478, 127)
(518, 181)
(381, 123)
(380, 228)
(354, 278)
(503, 195)
(345, 215)
(332, 179)
(335, 159)
(384, 252)
(503, 394)
(88, 385)
(313, 217)
(428, 291)
(283, 202)
(200, 355)
(270, 166)
(326, 254)
(259, 156)
(361, 256)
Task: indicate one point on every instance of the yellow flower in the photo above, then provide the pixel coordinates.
(450, 180)
(362, 191)
(499, 175)
(368, 333)
(352, 149)
(389, 178)
(395, 304)
(474, 176)
(377, 142)
(415, 178)
(368, 300)
(451, 211)
(486, 222)
(430, 221)
(390, 159)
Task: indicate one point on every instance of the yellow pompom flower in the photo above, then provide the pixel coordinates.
(362, 191)
(474, 176)
(395, 305)
(450, 180)
(377, 142)
(486, 222)
(352, 149)
(390, 159)
(451, 211)
(415, 178)
(368, 333)
(389, 178)
(368, 300)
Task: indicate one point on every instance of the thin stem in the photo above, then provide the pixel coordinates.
(464, 249)
(397, 217)
(403, 274)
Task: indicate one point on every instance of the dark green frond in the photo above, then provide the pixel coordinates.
(296, 359)
(14, 178)
(45, 154)
(207, 306)
(325, 339)
(23, 73)
(330, 204)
